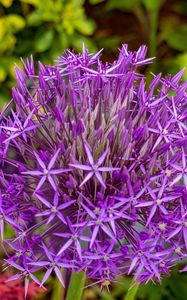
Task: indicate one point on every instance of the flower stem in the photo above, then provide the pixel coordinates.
(58, 290)
(76, 285)
(131, 293)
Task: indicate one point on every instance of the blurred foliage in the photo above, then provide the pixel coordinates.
(43, 28)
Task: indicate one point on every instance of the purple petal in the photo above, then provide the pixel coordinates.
(46, 276)
(108, 232)
(34, 279)
(14, 277)
(175, 232)
(59, 275)
(91, 214)
(40, 263)
(185, 236)
(51, 180)
(60, 216)
(151, 215)
(28, 117)
(176, 179)
(89, 155)
(16, 266)
(40, 183)
(41, 163)
(62, 206)
(133, 264)
(108, 169)
(51, 218)
(56, 198)
(59, 171)
(43, 200)
(9, 128)
(47, 252)
(26, 285)
(32, 173)
(53, 160)
(44, 213)
(163, 209)
(81, 167)
(145, 204)
(102, 158)
(2, 230)
(100, 179)
(184, 269)
(112, 223)
(94, 235)
(78, 247)
(86, 178)
(65, 246)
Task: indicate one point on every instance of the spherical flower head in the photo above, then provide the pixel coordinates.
(94, 169)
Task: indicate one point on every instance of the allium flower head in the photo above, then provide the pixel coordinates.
(94, 169)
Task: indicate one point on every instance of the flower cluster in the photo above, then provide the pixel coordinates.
(94, 169)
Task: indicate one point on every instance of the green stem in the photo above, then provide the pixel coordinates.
(131, 293)
(76, 286)
(58, 290)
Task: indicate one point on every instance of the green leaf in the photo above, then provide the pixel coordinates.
(176, 37)
(76, 285)
(3, 74)
(63, 41)
(14, 21)
(151, 5)
(181, 62)
(105, 295)
(34, 19)
(32, 2)
(85, 26)
(132, 292)
(43, 40)
(6, 3)
(57, 290)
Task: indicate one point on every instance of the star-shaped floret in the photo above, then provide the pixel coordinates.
(181, 225)
(165, 133)
(47, 171)
(99, 221)
(75, 237)
(18, 128)
(25, 273)
(158, 201)
(53, 209)
(52, 263)
(181, 171)
(94, 168)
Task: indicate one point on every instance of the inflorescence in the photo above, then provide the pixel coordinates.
(94, 169)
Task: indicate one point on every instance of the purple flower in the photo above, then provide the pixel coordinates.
(94, 169)
(46, 171)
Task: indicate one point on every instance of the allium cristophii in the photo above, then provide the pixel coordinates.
(94, 169)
